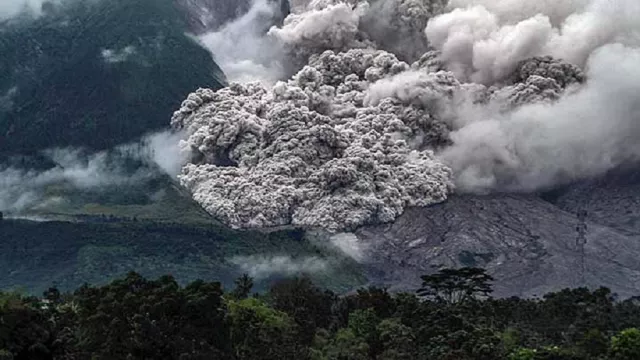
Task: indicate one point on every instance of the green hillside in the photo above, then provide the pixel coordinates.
(36, 255)
(93, 75)
(96, 74)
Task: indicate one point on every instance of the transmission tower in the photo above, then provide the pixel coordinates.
(581, 240)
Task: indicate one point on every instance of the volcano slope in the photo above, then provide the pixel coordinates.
(529, 245)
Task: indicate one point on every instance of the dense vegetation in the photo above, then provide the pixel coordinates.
(36, 255)
(95, 73)
(453, 318)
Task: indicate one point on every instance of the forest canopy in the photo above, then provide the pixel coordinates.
(137, 318)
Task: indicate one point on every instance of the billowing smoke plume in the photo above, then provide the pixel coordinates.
(325, 25)
(310, 153)
(241, 49)
(484, 43)
(585, 132)
(502, 96)
(397, 25)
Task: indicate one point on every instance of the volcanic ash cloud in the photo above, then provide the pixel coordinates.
(318, 150)
(500, 96)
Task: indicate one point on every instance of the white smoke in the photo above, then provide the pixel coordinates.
(241, 48)
(11, 8)
(311, 154)
(247, 52)
(163, 149)
(518, 10)
(260, 267)
(350, 245)
(325, 25)
(112, 56)
(510, 96)
(585, 133)
(397, 25)
(23, 189)
(484, 44)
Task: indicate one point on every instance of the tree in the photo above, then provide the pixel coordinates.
(375, 298)
(625, 345)
(244, 284)
(345, 346)
(547, 353)
(364, 325)
(260, 332)
(456, 285)
(142, 319)
(309, 306)
(6, 355)
(24, 329)
(397, 340)
(594, 343)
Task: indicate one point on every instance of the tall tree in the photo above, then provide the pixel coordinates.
(244, 284)
(456, 285)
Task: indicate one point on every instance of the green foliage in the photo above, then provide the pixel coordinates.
(547, 353)
(364, 325)
(345, 345)
(37, 255)
(308, 305)
(397, 340)
(626, 345)
(261, 332)
(137, 318)
(594, 343)
(510, 339)
(5, 355)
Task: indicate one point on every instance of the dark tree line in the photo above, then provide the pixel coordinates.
(451, 317)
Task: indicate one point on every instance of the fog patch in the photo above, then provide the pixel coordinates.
(263, 266)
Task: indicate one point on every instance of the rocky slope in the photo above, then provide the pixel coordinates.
(613, 200)
(529, 245)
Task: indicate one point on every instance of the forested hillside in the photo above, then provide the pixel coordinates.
(37, 255)
(96, 74)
